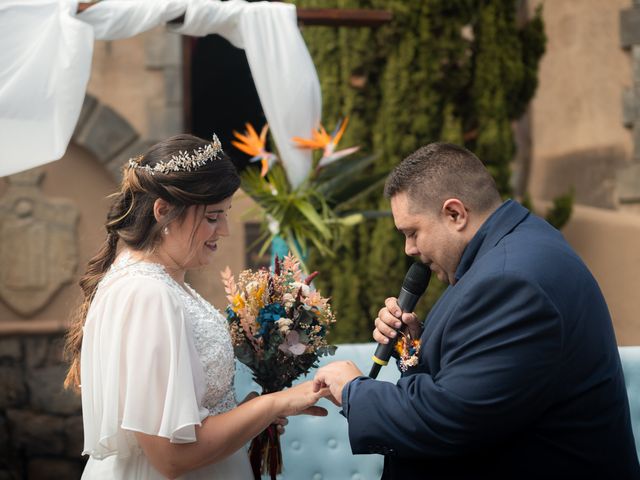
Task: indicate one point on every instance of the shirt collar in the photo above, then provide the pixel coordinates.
(502, 221)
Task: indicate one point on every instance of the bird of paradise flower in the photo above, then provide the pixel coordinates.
(321, 140)
(253, 144)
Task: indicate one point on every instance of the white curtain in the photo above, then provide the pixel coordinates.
(45, 62)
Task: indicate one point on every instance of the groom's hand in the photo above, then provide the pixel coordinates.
(390, 318)
(335, 376)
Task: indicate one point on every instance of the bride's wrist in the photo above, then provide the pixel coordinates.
(280, 404)
(273, 404)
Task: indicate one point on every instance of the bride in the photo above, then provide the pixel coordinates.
(153, 359)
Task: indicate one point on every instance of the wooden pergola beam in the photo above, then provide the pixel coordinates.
(336, 17)
(332, 17)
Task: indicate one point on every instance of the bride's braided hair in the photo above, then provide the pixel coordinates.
(131, 219)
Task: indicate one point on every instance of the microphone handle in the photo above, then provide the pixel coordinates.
(407, 302)
(375, 370)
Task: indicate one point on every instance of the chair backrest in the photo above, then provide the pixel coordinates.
(317, 448)
(630, 357)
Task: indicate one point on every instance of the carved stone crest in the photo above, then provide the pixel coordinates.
(38, 251)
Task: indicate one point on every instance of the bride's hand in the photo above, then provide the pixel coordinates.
(280, 423)
(300, 399)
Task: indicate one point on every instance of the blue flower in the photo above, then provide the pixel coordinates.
(268, 315)
(231, 315)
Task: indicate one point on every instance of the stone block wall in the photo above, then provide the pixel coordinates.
(577, 135)
(40, 423)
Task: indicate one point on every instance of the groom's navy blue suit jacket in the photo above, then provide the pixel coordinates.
(519, 374)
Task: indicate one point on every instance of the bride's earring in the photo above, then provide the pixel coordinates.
(165, 230)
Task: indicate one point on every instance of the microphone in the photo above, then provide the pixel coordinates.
(414, 285)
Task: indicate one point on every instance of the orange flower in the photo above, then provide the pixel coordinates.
(407, 346)
(237, 302)
(254, 145)
(322, 140)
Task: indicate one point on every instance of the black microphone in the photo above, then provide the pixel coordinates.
(414, 285)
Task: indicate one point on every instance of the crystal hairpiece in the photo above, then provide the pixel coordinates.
(183, 161)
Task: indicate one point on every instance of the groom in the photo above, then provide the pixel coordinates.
(518, 373)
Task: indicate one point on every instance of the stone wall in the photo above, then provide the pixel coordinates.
(40, 423)
(577, 131)
(629, 177)
(141, 79)
(580, 133)
(582, 126)
(607, 241)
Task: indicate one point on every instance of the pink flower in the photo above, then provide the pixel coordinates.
(292, 344)
(315, 300)
(305, 289)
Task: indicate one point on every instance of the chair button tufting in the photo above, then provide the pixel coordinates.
(356, 476)
(317, 476)
(332, 443)
(295, 445)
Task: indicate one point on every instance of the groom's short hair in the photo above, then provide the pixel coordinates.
(439, 171)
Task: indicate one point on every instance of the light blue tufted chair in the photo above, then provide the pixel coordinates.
(630, 357)
(317, 448)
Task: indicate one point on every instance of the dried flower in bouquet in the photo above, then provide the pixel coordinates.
(278, 327)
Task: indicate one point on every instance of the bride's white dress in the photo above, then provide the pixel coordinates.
(156, 358)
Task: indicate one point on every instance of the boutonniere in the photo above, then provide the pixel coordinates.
(408, 349)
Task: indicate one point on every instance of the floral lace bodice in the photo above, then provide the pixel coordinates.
(210, 332)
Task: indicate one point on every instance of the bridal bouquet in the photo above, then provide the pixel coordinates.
(278, 327)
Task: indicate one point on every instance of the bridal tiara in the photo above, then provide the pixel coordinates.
(183, 161)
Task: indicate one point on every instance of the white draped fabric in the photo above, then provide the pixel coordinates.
(45, 64)
(45, 57)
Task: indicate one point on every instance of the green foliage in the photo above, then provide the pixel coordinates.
(442, 70)
(559, 212)
(533, 41)
(316, 211)
(347, 181)
(302, 214)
